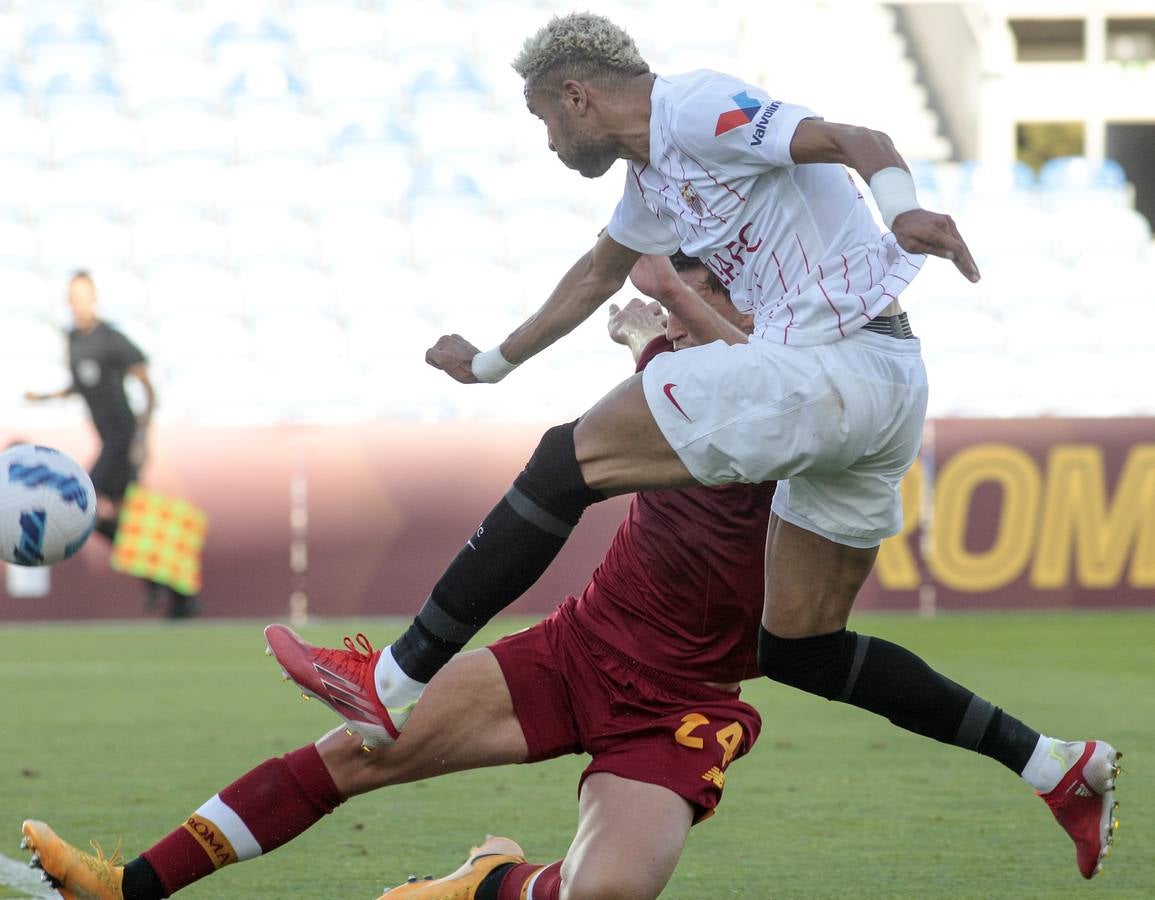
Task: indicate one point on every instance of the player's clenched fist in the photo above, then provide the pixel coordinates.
(453, 355)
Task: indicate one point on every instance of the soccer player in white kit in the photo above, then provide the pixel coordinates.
(828, 396)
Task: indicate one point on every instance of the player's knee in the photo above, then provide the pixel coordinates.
(818, 665)
(552, 479)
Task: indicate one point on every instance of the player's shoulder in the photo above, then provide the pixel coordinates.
(704, 104)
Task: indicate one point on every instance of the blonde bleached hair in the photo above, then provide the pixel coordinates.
(582, 46)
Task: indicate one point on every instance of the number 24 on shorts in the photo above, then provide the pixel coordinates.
(729, 737)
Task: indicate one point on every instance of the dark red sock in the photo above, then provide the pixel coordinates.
(546, 887)
(256, 814)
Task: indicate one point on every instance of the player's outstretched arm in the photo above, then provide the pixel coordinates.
(873, 156)
(587, 285)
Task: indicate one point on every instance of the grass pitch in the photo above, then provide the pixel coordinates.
(119, 731)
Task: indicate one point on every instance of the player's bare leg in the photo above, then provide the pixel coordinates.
(811, 584)
(629, 839)
(466, 714)
(621, 449)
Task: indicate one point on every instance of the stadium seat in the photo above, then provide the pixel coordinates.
(362, 234)
(145, 27)
(289, 341)
(488, 138)
(335, 76)
(24, 290)
(546, 229)
(210, 391)
(362, 179)
(198, 183)
(13, 91)
(995, 179)
(1067, 173)
(326, 27)
(167, 235)
(271, 289)
(123, 294)
(169, 134)
(18, 245)
(153, 81)
(25, 137)
(176, 287)
(256, 236)
(82, 240)
(252, 31)
(439, 222)
(264, 131)
(359, 129)
(31, 338)
(282, 182)
(189, 336)
(257, 83)
(83, 133)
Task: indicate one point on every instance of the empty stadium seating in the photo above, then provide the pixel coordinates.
(288, 200)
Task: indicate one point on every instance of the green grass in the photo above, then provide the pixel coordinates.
(121, 731)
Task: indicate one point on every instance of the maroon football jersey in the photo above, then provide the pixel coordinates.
(680, 588)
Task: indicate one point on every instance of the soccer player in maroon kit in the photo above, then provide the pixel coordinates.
(641, 671)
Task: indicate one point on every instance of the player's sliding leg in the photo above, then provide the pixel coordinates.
(629, 839)
(467, 715)
(516, 542)
(805, 644)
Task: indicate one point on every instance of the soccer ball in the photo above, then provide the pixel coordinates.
(47, 505)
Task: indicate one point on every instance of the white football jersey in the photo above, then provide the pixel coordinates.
(795, 245)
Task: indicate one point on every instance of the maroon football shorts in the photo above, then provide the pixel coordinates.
(574, 693)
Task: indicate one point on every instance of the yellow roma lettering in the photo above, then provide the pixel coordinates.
(1015, 472)
(1079, 519)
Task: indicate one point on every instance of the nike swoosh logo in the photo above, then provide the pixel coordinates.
(669, 391)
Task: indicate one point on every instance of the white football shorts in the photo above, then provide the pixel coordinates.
(837, 425)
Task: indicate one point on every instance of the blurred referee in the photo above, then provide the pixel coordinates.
(99, 358)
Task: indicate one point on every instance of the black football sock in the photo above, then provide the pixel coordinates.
(141, 882)
(889, 680)
(503, 558)
(490, 885)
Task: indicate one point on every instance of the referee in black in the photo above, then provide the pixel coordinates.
(100, 358)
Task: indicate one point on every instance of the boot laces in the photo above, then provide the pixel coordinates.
(362, 650)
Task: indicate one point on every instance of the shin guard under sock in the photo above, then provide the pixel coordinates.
(514, 544)
(889, 680)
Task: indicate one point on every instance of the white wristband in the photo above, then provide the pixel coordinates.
(893, 191)
(490, 366)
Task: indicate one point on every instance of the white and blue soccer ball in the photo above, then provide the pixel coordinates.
(47, 505)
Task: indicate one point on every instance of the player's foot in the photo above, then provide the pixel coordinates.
(75, 874)
(341, 679)
(1084, 801)
(462, 884)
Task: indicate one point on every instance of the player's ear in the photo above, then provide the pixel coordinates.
(575, 95)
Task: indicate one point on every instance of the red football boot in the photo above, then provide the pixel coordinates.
(341, 679)
(1084, 803)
